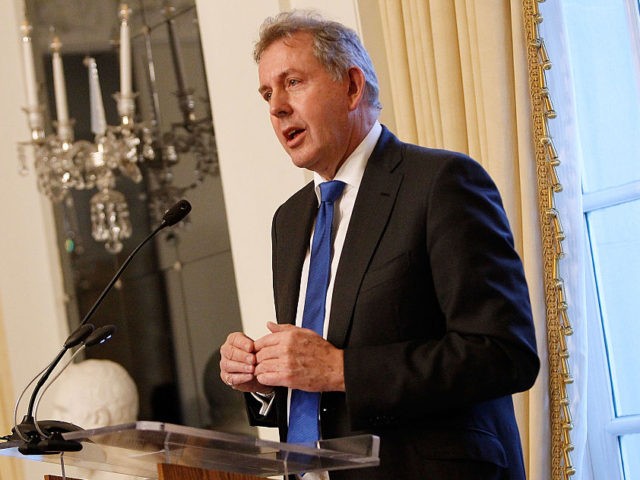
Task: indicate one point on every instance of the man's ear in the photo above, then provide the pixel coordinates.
(357, 84)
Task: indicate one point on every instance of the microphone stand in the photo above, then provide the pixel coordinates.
(27, 430)
(47, 438)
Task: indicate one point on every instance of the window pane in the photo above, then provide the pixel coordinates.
(615, 244)
(630, 446)
(605, 73)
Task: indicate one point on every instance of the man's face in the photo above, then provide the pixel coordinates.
(311, 113)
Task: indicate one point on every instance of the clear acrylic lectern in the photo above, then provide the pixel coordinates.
(138, 448)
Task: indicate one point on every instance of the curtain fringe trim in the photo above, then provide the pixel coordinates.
(558, 323)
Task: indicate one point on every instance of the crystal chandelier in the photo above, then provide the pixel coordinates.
(63, 164)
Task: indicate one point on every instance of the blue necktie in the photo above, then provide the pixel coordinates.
(304, 412)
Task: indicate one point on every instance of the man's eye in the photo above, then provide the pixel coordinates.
(267, 96)
(292, 82)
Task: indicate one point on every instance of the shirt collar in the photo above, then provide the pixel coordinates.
(352, 170)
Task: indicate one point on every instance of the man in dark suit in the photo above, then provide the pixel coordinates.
(428, 327)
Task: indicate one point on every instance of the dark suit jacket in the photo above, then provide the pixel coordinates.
(431, 307)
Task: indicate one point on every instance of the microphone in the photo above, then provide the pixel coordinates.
(100, 335)
(45, 437)
(96, 337)
(172, 216)
(176, 213)
(76, 337)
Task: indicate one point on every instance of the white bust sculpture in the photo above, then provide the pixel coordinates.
(94, 394)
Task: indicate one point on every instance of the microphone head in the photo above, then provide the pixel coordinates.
(100, 335)
(82, 332)
(176, 213)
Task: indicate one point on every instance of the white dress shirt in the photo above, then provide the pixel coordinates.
(350, 173)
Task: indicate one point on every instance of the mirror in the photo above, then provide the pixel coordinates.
(177, 301)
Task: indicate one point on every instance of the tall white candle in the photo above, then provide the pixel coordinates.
(59, 86)
(29, 67)
(98, 120)
(125, 52)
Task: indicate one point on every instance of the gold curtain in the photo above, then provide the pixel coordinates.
(459, 77)
(10, 469)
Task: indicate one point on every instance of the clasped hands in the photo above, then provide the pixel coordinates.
(288, 356)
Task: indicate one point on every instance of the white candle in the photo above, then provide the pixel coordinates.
(59, 86)
(125, 52)
(29, 67)
(98, 121)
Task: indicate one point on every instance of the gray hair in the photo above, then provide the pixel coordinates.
(336, 46)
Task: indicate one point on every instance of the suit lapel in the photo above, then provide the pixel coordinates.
(374, 204)
(295, 226)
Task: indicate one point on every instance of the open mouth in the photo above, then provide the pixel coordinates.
(293, 133)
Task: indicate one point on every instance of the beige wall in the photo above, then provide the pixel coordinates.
(30, 281)
(257, 176)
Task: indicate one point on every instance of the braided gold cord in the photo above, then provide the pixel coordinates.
(558, 324)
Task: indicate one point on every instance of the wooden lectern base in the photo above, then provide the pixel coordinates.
(177, 472)
(56, 477)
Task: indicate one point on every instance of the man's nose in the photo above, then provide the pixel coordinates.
(279, 105)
